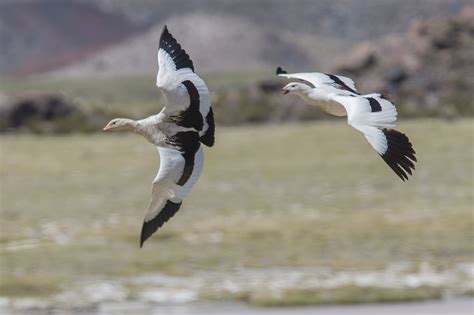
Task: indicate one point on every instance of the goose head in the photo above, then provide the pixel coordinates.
(295, 88)
(119, 124)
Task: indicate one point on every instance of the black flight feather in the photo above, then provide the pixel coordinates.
(280, 71)
(154, 224)
(169, 44)
(400, 154)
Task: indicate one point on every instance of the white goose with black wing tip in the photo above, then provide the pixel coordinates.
(178, 130)
(371, 114)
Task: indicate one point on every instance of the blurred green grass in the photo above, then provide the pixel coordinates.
(101, 99)
(134, 96)
(289, 195)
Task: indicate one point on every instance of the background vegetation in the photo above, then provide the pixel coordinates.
(291, 196)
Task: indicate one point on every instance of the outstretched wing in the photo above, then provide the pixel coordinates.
(172, 54)
(186, 94)
(374, 116)
(316, 79)
(181, 165)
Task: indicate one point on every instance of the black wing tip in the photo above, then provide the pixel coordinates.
(164, 33)
(174, 49)
(400, 155)
(154, 224)
(279, 71)
(145, 234)
(142, 240)
(148, 228)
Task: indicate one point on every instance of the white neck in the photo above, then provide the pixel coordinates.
(130, 124)
(147, 127)
(304, 93)
(140, 127)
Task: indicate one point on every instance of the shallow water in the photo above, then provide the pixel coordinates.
(452, 307)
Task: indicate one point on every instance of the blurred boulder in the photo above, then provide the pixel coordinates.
(396, 76)
(270, 86)
(40, 113)
(427, 70)
(42, 107)
(361, 59)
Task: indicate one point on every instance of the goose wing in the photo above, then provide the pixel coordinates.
(316, 79)
(181, 162)
(187, 96)
(375, 116)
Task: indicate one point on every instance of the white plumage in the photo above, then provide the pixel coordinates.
(178, 130)
(371, 114)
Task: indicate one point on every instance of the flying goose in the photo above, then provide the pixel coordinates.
(371, 114)
(177, 131)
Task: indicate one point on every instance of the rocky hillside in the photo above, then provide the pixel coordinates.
(347, 19)
(37, 36)
(44, 35)
(240, 44)
(429, 69)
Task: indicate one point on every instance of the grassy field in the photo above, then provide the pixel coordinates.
(297, 196)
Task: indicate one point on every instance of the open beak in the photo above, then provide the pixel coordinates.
(285, 91)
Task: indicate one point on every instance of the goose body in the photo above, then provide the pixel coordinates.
(372, 114)
(184, 123)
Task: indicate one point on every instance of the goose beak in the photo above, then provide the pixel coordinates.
(285, 91)
(106, 128)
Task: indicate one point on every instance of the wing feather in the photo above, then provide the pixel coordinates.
(317, 79)
(187, 121)
(179, 171)
(374, 116)
(178, 55)
(176, 74)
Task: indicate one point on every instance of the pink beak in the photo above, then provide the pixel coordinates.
(285, 91)
(105, 128)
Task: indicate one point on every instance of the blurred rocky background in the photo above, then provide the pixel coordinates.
(427, 69)
(96, 58)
